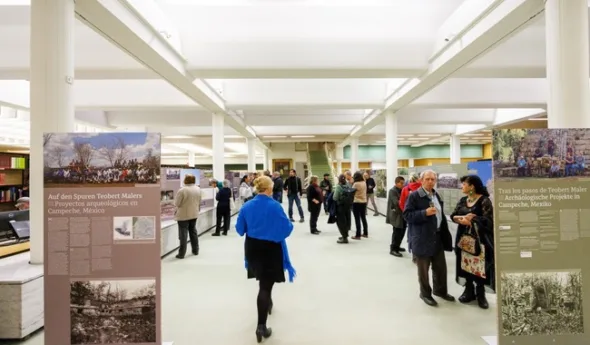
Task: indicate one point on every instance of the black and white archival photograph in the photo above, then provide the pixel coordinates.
(113, 311)
(134, 228)
(101, 159)
(542, 303)
(448, 181)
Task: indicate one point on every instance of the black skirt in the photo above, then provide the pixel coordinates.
(265, 260)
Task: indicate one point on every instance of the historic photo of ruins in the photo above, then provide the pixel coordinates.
(541, 303)
(113, 311)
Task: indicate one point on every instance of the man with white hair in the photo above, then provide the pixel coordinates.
(430, 238)
(22, 204)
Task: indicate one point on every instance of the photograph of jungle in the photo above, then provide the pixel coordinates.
(541, 303)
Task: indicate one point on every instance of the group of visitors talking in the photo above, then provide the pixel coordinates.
(413, 207)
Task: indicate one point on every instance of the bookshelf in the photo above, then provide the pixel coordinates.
(14, 175)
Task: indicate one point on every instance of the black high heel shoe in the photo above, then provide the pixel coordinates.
(263, 332)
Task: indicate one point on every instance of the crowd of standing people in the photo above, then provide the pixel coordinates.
(414, 207)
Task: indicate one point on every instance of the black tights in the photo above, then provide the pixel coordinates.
(264, 300)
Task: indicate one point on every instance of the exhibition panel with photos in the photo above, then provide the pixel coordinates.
(171, 181)
(541, 184)
(448, 183)
(102, 245)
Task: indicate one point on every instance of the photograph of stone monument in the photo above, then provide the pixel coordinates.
(113, 311)
(541, 153)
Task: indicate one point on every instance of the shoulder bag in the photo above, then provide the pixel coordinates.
(472, 252)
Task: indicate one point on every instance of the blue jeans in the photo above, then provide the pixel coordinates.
(295, 198)
(278, 197)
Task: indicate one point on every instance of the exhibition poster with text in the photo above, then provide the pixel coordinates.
(542, 226)
(102, 238)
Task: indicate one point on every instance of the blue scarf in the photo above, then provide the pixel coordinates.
(287, 266)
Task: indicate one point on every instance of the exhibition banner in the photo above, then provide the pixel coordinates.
(542, 199)
(102, 238)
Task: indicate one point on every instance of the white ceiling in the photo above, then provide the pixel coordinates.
(312, 68)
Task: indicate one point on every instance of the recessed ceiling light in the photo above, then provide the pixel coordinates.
(302, 136)
(405, 135)
(428, 135)
(274, 136)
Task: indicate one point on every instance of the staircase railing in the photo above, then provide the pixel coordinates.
(330, 161)
(309, 169)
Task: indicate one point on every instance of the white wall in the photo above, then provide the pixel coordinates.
(286, 151)
(206, 160)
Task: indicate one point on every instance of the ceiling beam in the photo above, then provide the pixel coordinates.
(502, 22)
(117, 23)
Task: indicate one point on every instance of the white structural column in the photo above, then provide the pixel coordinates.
(339, 158)
(455, 149)
(265, 164)
(566, 29)
(52, 106)
(251, 155)
(354, 155)
(191, 159)
(218, 140)
(391, 148)
(411, 162)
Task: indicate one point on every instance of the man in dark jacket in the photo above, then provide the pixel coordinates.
(326, 186)
(395, 218)
(430, 238)
(294, 189)
(277, 190)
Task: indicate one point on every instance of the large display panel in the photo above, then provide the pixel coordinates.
(102, 238)
(542, 225)
(448, 183)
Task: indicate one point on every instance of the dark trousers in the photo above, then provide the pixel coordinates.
(359, 211)
(188, 228)
(314, 214)
(397, 236)
(223, 213)
(343, 219)
(439, 274)
(295, 198)
(264, 300)
(326, 203)
(278, 196)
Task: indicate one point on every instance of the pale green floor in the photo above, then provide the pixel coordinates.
(344, 294)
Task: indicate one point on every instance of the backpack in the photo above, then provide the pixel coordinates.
(347, 195)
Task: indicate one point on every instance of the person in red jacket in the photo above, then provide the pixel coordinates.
(413, 185)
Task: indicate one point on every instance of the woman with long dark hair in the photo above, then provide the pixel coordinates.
(474, 215)
(266, 227)
(359, 206)
(343, 205)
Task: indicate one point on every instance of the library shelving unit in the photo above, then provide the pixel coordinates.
(14, 176)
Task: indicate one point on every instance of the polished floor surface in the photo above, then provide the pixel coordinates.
(344, 294)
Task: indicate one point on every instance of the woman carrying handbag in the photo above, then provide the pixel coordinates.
(474, 242)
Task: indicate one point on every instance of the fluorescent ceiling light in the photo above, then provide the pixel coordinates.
(405, 135)
(429, 135)
(193, 148)
(178, 137)
(302, 136)
(274, 136)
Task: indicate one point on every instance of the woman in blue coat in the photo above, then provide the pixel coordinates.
(266, 227)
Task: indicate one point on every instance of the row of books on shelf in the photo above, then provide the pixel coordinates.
(10, 195)
(7, 162)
